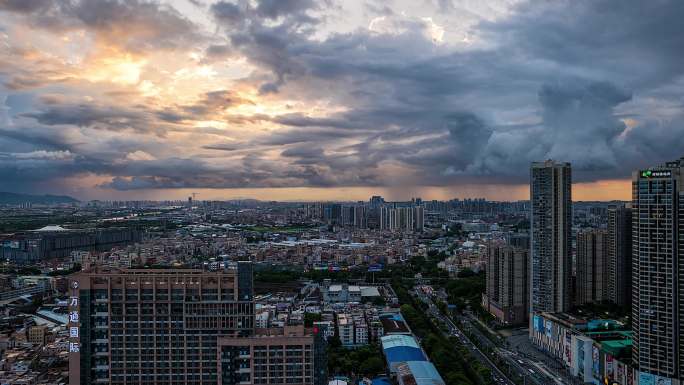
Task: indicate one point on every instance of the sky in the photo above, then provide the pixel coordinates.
(335, 99)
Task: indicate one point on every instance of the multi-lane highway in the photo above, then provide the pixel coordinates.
(497, 375)
(531, 370)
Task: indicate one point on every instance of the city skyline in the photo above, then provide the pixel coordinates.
(322, 100)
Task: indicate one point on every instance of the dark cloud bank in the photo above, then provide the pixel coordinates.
(554, 80)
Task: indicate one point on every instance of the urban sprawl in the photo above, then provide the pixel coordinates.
(418, 292)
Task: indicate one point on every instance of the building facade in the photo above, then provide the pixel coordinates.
(402, 218)
(155, 326)
(550, 225)
(507, 285)
(56, 242)
(620, 255)
(592, 266)
(289, 355)
(658, 272)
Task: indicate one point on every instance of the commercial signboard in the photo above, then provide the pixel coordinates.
(568, 348)
(656, 173)
(595, 364)
(609, 371)
(652, 379)
(620, 374)
(74, 319)
(538, 323)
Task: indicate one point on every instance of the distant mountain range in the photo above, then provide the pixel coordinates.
(8, 198)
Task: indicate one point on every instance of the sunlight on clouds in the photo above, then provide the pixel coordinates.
(401, 24)
(435, 31)
(121, 69)
(630, 124)
(211, 123)
(147, 88)
(139, 155)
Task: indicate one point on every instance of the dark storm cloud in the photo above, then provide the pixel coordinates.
(638, 41)
(25, 6)
(229, 13)
(578, 62)
(305, 154)
(229, 147)
(217, 52)
(134, 24)
(17, 136)
(87, 115)
(274, 9)
(254, 171)
(214, 102)
(578, 81)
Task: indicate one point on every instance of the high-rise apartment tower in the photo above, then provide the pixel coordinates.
(620, 255)
(592, 266)
(658, 272)
(550, 225)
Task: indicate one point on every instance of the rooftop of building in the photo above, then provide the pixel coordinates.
(565, 319)
(394, 324)
(400, 340)
(51, 228)
(401, 354)
(98, 270)
(420, 373)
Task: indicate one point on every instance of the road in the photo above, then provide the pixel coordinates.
(498, 376)
(533, 366)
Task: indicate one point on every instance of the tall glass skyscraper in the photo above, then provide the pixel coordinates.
(658, 272)
(550, 225)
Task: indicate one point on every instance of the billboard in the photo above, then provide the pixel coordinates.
(620, 373)
(652, 379)
(568, 348)
(656, 173)
(610, 367)
(549, 325)
(595, 364)
(376, 267)
(538, 323)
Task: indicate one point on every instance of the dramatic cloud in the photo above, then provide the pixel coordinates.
(130, 95)
(133, 24)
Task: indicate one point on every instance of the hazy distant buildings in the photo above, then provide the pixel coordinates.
(658, 272)
(360, 217)
(592, 266)
(403, 218)
(376, 201)
(620, 255)
(506, 296)
(550, 224)
(57, 242)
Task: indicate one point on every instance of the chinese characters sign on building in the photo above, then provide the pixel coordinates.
(74, 320)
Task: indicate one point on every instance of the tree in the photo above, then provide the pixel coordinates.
(465, 273)
(372, 366)
(310, 318)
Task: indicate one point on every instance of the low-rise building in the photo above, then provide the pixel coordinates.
(37, 334)
(291, 355)
(595, 351)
